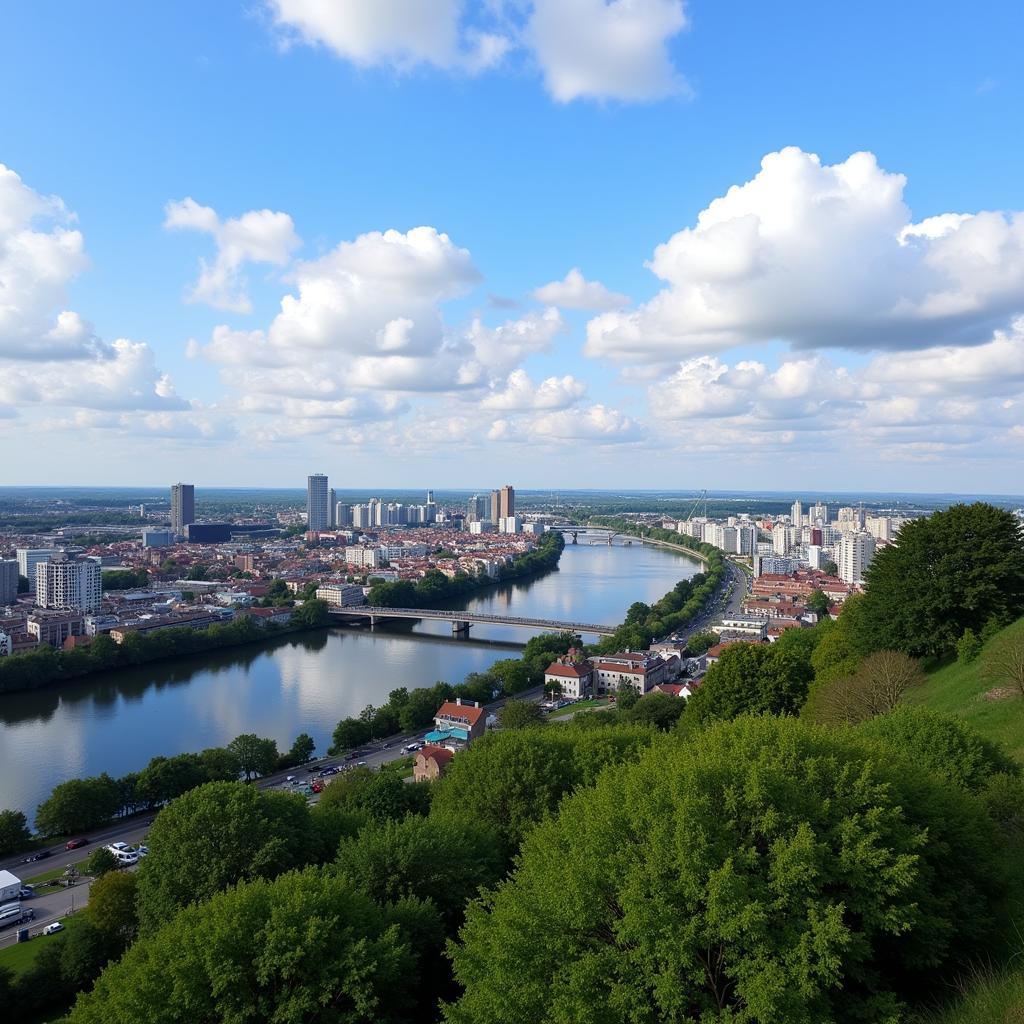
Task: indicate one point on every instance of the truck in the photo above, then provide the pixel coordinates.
(10, 887)
(15, 913)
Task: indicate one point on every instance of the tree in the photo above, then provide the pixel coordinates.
(220, 764)
(625, 695)
(197, 573)
(217, 835)
(379, 795)
(302, 749)
(111, 907)
(312, 614)
(700, 642)
(14, 833)
(766, 871)
(77, 805)
(256, 756)
(876, 688)
(1004, 661)
(349, 733)
(968, 647)
(520, 714)
(99, 862)
(947, 572)
(657, 709)
(165, 778)
(830, 569)
(819, 603)
(307, 948)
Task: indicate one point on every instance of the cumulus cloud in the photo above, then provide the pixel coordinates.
(501, 348)
(574, 291)
(606, 49)
(40, 253)
(520, 394)
(822, 256)
(259, 236)
(584, 49)
(597, 423)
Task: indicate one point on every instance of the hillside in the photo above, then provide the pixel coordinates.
(963, 690)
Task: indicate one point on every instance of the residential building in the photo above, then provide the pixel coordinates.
(8, 580)
(459, 721)
(157, 538)
(796, 513)
(854, 553)
(318, 515)
(344, 595)
(342, 515)
(754, 626)
(183, 507)
(780, 539)
(506, 502)
(64, 583)
(476, 509)
(431, 763)
(366, 558)
(29, 558)
(571, 673)
(495, 511)
(332, 503)
(54, 627)
(187, 620)
(639, 669)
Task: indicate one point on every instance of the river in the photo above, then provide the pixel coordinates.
(300, 683)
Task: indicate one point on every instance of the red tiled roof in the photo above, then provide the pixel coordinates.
(441, 755)
(570, 671)
(449, 709)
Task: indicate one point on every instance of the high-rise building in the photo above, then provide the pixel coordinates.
(332, 504)
(796, 513)
(476, 509)
(430, 497)
(8, 580)
(819, 514)
(29, 558)
(506, 502)
(183, 506)
(63, 583)
(780, 539)
(342, 515)
(318, 516)
(495, 511)
(853, 556)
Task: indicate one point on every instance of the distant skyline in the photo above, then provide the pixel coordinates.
(569, 243)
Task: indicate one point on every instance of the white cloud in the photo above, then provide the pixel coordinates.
(584, 49)
(606, 49)
(822, 256)
(39, 255)
(520, 394)
(395, 33)
(259, 236)
(596, 423)
(574, 291)
(501, 348)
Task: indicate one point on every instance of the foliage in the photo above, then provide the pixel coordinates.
(508, 781)
(968, 647)
(752, 678)
(100, 862)
(947, 572)
(1003, 662)
(77, 805)
(877, 686)
(520, 714)
(378, 795)
(217, 835)
(659, 710)
(819, 603)
(311, 614)
(256, 755)
(303, 949)
(945, 746)
(111, 907)
(125, 579)
(301, 751)
(446, 862)
(701, 642)
(769, 871)
(14, 833)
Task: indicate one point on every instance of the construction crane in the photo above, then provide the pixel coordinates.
(703, 496)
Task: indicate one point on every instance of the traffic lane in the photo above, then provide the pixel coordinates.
(131, 833)
(50, 906)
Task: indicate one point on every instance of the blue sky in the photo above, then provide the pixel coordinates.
(388, 197)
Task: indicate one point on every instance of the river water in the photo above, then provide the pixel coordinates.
(299, 683)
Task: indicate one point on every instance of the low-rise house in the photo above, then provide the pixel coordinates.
(458, 721)
(639, 669)
(269, 616)
(431, 763)
(189, 620)
(54, 627)
(712, 654)
(673, 689)
(753, 626)
(571, 673)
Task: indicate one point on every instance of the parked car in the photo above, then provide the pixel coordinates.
(361, 764)
(74, 844)
(290, 778)
(41, 855)
(411, 747)
(53, 928)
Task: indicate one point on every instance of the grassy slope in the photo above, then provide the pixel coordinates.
(957, 689)
(20, 956)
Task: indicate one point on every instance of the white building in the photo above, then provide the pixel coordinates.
(367, 558)
(61, 583)
(341, 594)
(780, 539)
(29, 558)
(796, 513)
(854, 553)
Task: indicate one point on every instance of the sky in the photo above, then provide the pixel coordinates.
(562, 243)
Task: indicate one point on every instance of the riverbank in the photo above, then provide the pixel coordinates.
(649, 535)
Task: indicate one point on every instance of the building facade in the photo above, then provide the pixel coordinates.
(318, 513)
(63, 583)
(854, 553)
(8, 580)
(183, 507)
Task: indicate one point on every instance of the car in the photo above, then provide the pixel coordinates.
(74, 844)
(120, 847)
(412, 746)
(41, 855)
(351, 757)
(26, 893)
(361, 764)
(53, 928)
(310, 768)
(290, 778)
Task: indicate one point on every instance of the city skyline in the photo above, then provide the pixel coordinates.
(676, 271)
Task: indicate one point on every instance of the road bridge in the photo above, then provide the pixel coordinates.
(462, 620)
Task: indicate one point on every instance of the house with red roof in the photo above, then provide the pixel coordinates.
(431, 763)
(457, 721)
(572, 674)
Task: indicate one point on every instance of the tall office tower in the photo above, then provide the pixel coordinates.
(853, 556)
(430, 497)
(342, 515)
(62, 583)
(476, 509)
(507, 502)
(495, 510)
(8, 580)
(796, 513)
(183, 506)
(332, 504)
(318, 516)
(29, 558)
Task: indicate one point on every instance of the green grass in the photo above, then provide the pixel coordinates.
(570, 709)
(957, 689)
(46, 876)
(988, 998)
(20, 957)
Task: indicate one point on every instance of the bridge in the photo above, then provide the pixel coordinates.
(462, 620)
